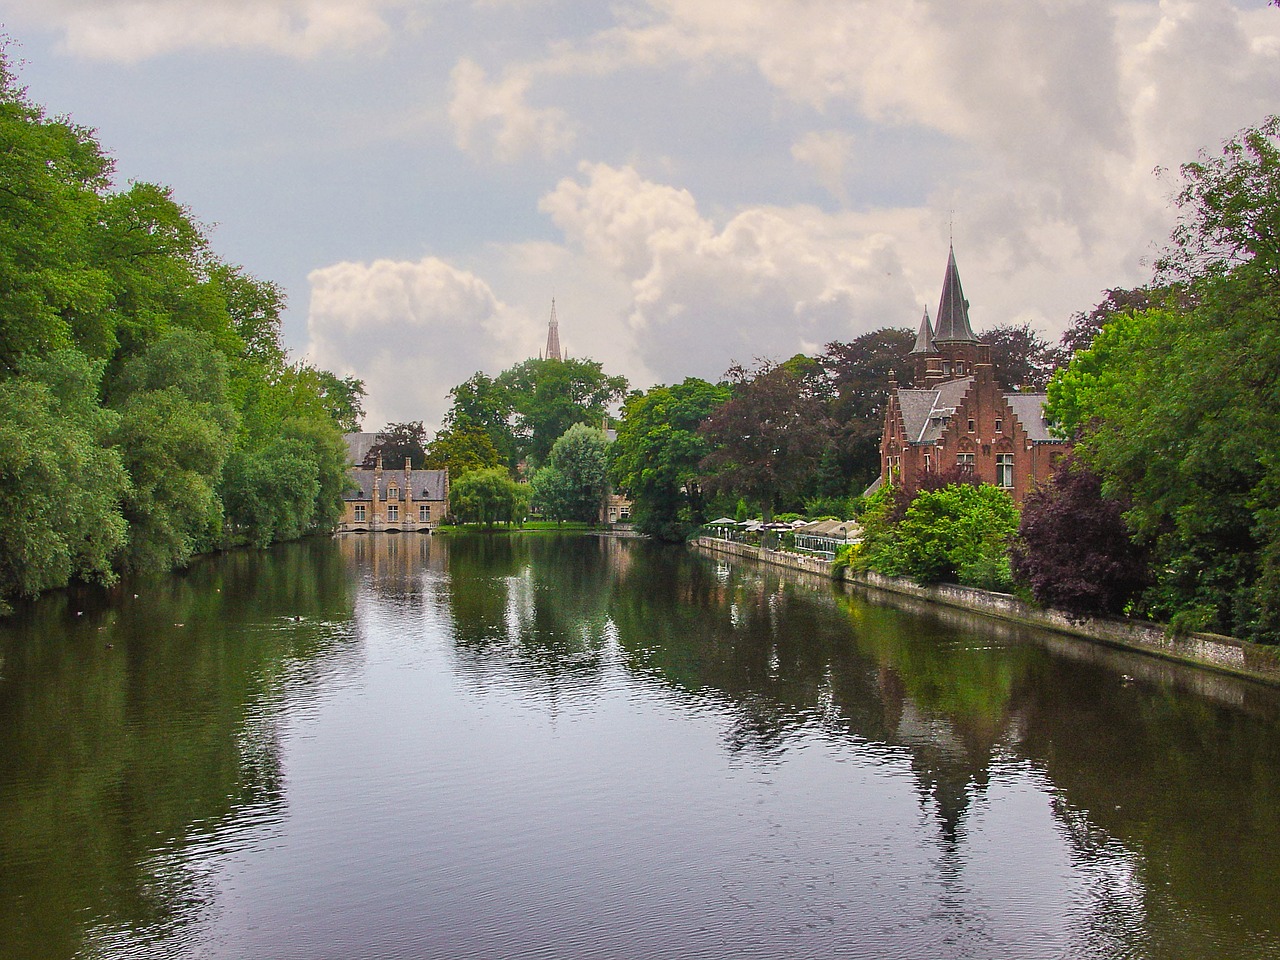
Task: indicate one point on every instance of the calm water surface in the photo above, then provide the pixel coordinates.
(571, 747)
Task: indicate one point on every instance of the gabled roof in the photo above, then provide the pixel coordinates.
(1029, 409)
(924, 339)
(423, 484)
(953, 308)
(925, 412)
(358, 445)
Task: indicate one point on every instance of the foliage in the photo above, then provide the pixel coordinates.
(134, 367)
(767, 439)
(481, 403)
(60, 488)
(1073, 549)
(1177, 404)
(958, 533)
(1084, 327)
(488, 496)
(858, 374)
(460, 449)
(573, 483)
(657, 454)
(547, 397)
(1021, 358)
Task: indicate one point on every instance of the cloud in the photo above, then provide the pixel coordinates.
(134, 30)
(828, 152)
(411, 330)
(494, 119)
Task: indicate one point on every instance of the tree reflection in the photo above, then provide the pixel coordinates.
(136, 724)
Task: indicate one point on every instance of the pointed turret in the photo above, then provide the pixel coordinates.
(924, 339)
(553, 335)
(953, 309)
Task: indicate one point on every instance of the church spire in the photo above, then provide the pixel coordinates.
(953, 309)
(553, 335)
(924, 339)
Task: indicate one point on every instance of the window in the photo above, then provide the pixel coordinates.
(965, 461)
(1004, 470)
(926, 463)
(393, 492)
(359, 513)
(972, 426)
(393, 512)
(999, 426)
(424, 512)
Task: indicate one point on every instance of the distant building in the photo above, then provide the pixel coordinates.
(553, 336)
(391, 500)
(957, 415)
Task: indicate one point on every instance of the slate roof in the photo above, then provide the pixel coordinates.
(425, 484)
(358, 445)
(925, 412)
(953, 308)
(924, 339)
(1029, 409)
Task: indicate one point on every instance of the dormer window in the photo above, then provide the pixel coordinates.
(393, 493)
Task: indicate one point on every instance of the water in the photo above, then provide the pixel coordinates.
(569, 747)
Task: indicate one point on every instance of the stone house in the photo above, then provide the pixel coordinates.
(392, 500)
(957, 414)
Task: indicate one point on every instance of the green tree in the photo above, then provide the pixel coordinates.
(1176, 404)
(398, 442)
(460, 449)
(175, 430)
(574, 481)
(657, 455)
(60, 487)
(488, 497)
(547, 397)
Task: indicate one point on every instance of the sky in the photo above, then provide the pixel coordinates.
(697, 183)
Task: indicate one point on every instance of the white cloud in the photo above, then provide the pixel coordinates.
(828, 152)
(494, 119)
(411, 330)
(133, 30)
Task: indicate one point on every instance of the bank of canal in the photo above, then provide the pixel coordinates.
(1210, 651)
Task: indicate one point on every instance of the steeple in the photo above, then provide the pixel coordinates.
(553, 335)
(953, 308)
(924, 339)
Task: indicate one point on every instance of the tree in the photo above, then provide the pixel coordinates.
(958, 533)
(1085, 326)
(574, 481)
(1022, 359)
(767, 439)
(60, 487)
(858, 375)
(1176, 404)
(547, 397)
(398, 442)
(1073, 549)
(460, 449)
(657, 455)
(488, 497)
(481, 403)
(175, 430)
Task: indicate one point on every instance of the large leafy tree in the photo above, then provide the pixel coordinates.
(572, 484)
(460, 449)
(549, 396)
(657, 455)
(767, 440)
(489, 496)
(1177, 404)
(398, 442)
(858, 374)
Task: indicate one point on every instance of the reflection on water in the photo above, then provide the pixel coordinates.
(545, 746)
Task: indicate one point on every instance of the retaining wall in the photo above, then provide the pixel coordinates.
(1201, 649)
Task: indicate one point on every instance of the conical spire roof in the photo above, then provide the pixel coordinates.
(953, 308)
(924, 339)
(553, 335)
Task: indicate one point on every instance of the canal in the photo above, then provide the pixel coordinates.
(577, 747)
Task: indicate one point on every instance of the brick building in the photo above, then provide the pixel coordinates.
(957, 414)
